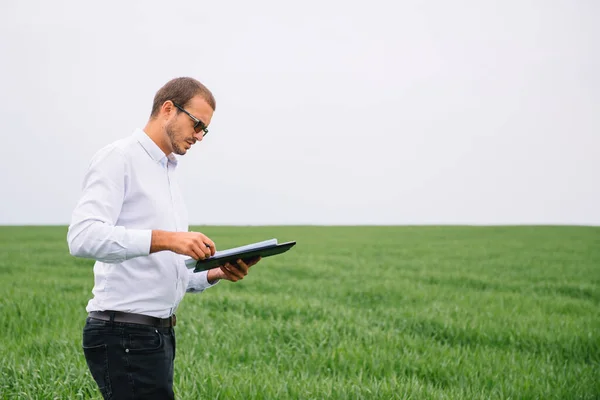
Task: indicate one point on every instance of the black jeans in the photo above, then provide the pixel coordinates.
(130, 361)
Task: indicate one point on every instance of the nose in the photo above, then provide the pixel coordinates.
(198, 136)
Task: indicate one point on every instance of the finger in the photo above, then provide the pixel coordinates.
(228, 275)
(199, 242)
(242, 267)
(221, 274)
(207, 250)
(235, 270)
(238, 271)
(192, 252)
(210, 244)
(213, 247)
(201, 254)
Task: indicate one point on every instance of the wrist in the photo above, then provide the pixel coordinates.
(213, 276)
(161, 240)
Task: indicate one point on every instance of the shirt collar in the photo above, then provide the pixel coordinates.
(152, 148)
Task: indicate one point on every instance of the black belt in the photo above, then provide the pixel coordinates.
(129, 318)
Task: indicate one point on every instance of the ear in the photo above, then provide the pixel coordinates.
(167, 109)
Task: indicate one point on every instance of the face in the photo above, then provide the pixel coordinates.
(180, 127)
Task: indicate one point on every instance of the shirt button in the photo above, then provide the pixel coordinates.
(126, 350)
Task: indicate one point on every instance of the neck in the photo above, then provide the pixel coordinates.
(157, 133)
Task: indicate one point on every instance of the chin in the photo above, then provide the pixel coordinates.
(180, 150)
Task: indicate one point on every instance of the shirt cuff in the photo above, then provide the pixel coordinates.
(138, 242)
(199, 282)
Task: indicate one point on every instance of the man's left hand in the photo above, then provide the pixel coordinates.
(231, 271)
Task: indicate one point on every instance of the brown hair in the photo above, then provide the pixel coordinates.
(180, 91)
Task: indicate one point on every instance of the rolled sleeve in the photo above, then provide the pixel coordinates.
(198, 282)
(93, 232)
(138, 242)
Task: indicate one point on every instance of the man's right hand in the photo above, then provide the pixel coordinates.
(194, 244)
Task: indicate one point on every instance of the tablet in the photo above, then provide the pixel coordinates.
(244, 254)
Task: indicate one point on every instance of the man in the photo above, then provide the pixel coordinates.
(132, 220)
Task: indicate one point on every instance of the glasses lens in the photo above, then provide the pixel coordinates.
(199, 127)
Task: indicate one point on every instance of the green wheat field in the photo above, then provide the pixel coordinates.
(349, 313)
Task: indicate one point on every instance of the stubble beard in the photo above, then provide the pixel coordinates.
(177, 149)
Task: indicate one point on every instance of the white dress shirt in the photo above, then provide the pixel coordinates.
(130, 189)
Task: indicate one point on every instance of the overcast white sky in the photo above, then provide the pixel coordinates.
(328, 112)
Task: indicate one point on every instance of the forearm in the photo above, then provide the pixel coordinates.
(161, 240)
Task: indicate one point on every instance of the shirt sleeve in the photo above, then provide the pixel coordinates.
(93, 232)
(198, 282)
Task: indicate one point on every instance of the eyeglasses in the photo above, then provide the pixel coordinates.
(199, 125)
